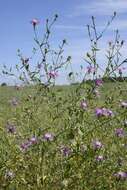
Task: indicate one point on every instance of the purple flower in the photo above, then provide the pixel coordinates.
(98, 112)
(104, 112)
(99, 158)
(65, 151)
(98, 82)
(121, 175)
(107, 112)
(124, 104)
(48, 137)
(96, 144)
(83, 105)
(119, 132)
(10, 128)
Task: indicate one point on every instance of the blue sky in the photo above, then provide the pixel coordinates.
(16, 30)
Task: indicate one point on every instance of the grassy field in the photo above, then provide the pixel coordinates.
(69, 158)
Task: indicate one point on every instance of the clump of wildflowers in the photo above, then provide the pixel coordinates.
(103, 112)
(24, 146)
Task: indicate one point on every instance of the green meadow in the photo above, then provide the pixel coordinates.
(69, 160)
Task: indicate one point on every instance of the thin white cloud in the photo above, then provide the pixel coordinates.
(69, 27)
(117, 24)
(120, 24)
(100, 7)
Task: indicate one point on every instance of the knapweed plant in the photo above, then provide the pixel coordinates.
(65, 137)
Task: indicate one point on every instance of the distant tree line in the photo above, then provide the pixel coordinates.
(4, 84)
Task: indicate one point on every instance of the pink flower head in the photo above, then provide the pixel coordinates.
(98, 82)
(35, 22)
(83, 105)
(53, 74)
